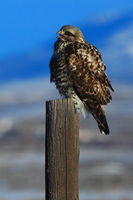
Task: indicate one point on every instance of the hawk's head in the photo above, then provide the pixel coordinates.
(70, 33)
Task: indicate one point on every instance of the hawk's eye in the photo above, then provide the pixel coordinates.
(69, 33)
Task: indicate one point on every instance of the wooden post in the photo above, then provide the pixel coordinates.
(62, 150)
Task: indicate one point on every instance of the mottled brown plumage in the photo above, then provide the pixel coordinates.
(79, 72)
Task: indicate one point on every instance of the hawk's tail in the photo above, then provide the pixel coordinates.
(99, 115)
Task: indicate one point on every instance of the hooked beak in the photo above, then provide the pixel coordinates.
(60, 33)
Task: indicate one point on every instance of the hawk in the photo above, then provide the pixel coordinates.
(78, 71)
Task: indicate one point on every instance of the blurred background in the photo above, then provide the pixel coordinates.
(27, 33)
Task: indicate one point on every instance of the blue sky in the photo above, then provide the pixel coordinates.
(25, 24)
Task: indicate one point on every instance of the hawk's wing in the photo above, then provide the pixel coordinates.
(87, 73)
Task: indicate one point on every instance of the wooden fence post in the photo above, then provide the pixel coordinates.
(62, 150)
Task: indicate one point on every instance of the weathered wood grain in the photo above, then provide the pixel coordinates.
(62, 150)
